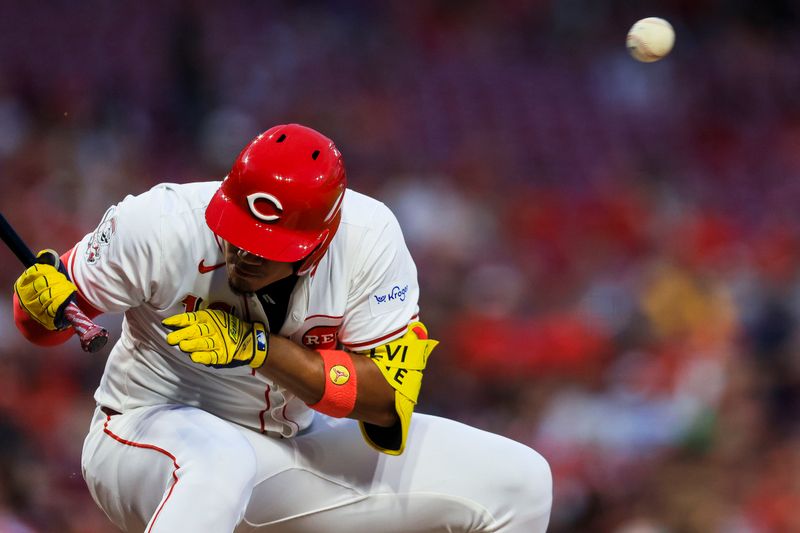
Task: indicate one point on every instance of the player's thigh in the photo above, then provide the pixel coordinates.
(451, 477)
(306, 474)
(455, 477)
(131, 461)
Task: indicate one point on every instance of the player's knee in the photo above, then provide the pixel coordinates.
(524, 482)
(529, 489)
(534, 482)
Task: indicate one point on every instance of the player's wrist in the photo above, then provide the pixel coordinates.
(260, 341)
(341, 384)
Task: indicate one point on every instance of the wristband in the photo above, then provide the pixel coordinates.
(260, 345)
(341, 384)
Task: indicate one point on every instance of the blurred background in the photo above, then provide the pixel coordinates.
(607, 249)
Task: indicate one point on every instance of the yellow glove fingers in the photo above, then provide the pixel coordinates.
(27, 279)
(45, 300)
(57, 289)
(37, 316)
(28, 299)
(190, 332)
(51, 285)
(180, 320)
(198, 344)
(205, 358)
(52, 298)
(33, 272)
(35, 281)
(42, 282)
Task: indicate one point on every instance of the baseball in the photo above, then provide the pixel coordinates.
(650, 39)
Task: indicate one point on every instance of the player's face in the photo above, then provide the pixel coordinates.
(248, 272)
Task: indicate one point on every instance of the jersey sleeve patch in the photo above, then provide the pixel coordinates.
(101, 237)
(387, 299)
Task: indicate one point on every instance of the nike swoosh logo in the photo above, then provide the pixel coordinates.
(206, 269)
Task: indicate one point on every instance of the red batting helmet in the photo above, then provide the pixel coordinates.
(282, 200)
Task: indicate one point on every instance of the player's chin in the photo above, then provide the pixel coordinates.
(240, 286)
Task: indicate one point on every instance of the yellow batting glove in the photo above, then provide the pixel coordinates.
(219, 339)
(44, 292)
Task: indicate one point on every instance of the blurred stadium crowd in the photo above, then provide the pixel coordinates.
(607, 250)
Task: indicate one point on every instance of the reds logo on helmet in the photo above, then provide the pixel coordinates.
(275, 208)
(321, 338)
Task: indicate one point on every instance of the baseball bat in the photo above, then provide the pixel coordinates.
(92, 336)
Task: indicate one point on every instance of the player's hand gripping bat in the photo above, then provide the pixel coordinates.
(92, 336)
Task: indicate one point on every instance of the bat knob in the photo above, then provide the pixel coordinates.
(94, 339)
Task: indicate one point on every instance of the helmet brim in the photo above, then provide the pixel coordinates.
(234, 224)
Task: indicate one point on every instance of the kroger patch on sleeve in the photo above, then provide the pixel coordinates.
(388, 298)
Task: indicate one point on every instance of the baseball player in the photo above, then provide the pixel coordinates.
(270, 360)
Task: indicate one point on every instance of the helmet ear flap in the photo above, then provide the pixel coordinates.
(304, 266)
(309, 264)
(313, 259)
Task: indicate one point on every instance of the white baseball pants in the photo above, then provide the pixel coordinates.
(175, 468)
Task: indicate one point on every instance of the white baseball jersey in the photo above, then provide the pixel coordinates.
(153, 256)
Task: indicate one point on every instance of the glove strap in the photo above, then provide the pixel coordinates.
(260, 345)
(341, 384)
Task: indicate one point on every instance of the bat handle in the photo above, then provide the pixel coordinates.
(92, 336)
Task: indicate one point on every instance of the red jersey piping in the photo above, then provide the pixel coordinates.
(380, 339)
(147, 447)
